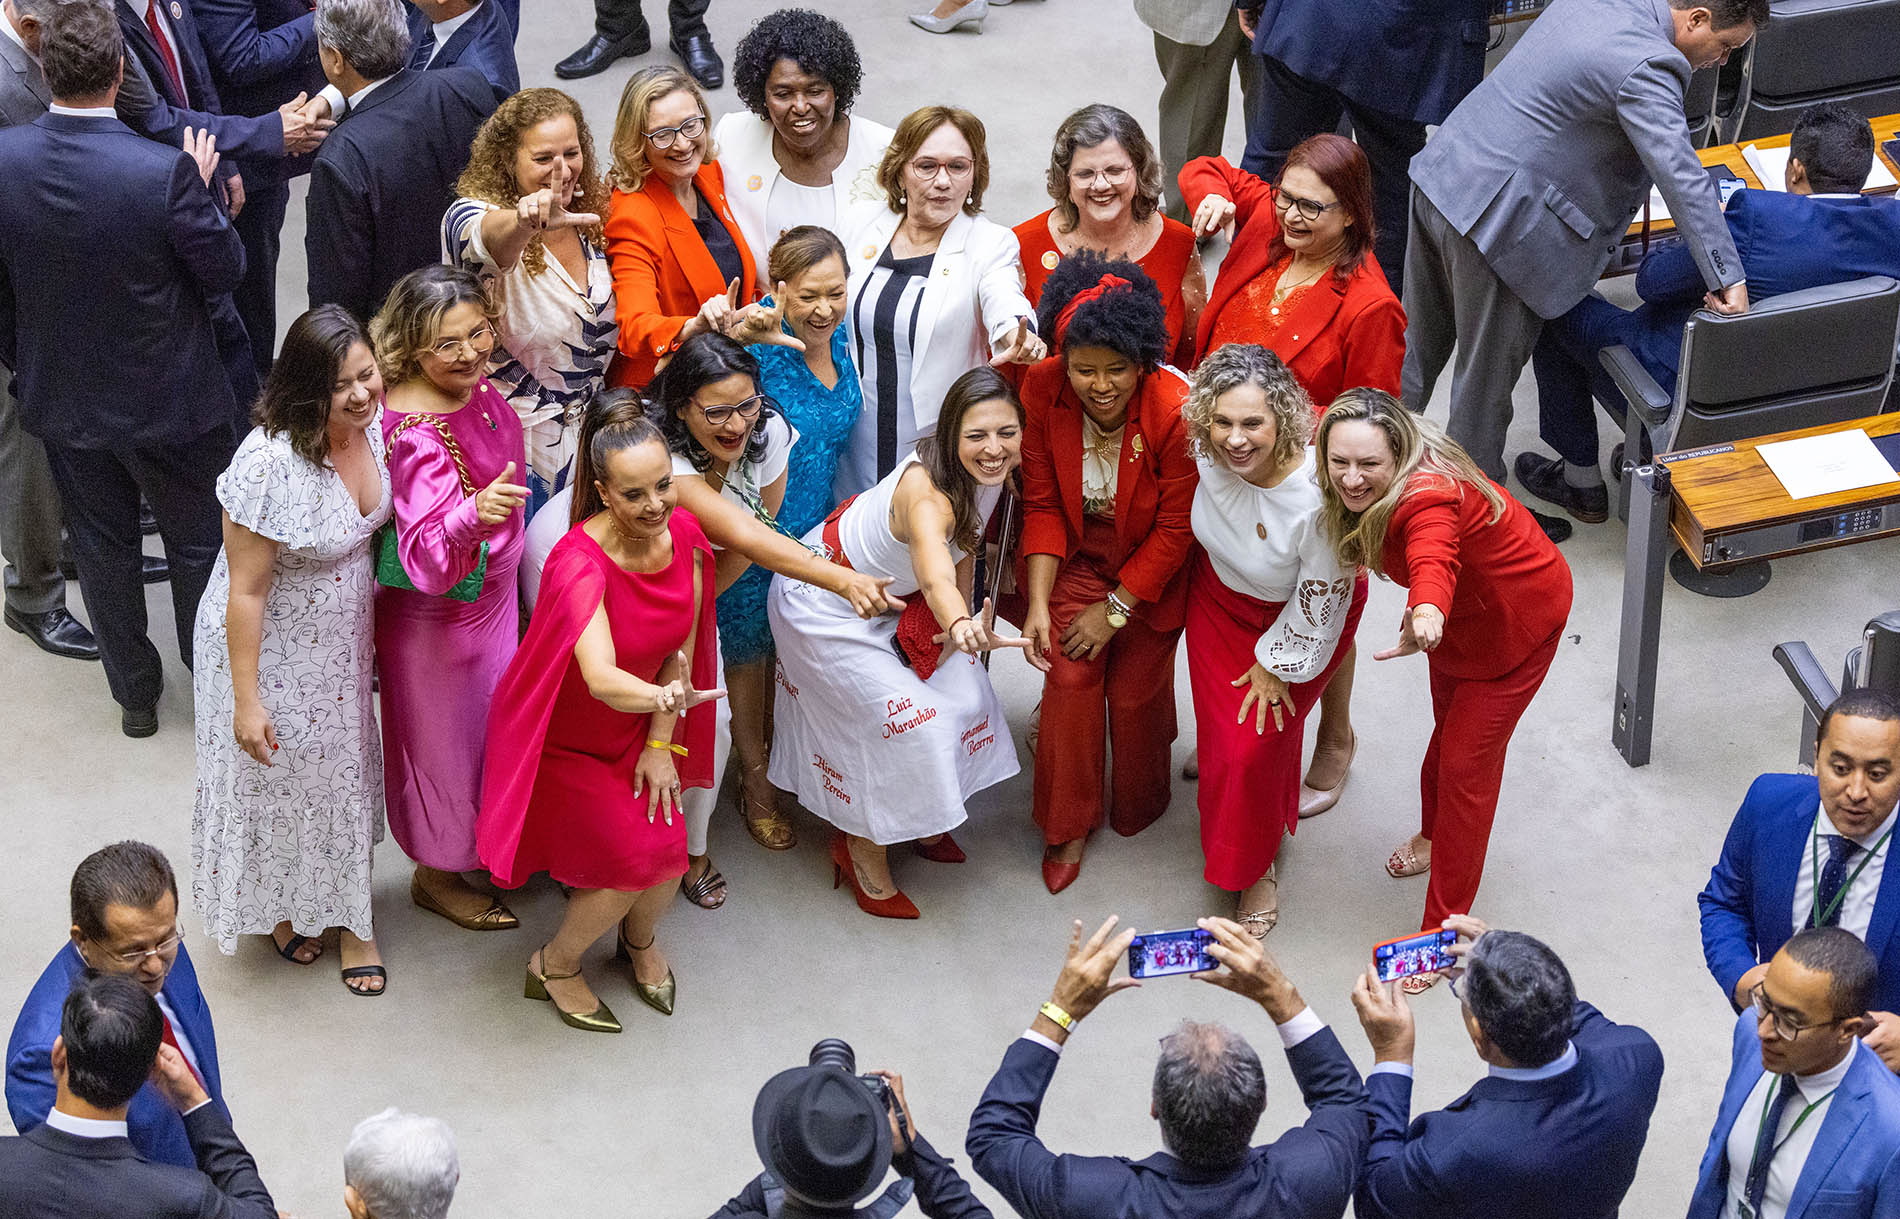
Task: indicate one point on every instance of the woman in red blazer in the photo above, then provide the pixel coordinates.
(1300, 278)
(1108, 489)
(679, 263)
(1489, 596)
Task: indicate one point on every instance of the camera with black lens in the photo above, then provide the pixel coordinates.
(836, 1052)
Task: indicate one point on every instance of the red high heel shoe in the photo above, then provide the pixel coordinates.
(894, 906)
(1057, 875)
(944, 850)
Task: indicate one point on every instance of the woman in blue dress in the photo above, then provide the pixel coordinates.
(817, 391)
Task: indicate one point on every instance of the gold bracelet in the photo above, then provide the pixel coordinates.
(668, 745)
(1056, 1014)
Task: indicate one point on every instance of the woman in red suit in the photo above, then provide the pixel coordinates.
(1106, 182)
(1489, 596)
(680, 264)
(1108, 487)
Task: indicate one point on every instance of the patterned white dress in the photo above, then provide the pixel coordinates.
(292, 841)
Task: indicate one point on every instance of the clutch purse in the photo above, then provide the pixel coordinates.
(389, 569)
(916, 629)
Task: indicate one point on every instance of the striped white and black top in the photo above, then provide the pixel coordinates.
(884, 321)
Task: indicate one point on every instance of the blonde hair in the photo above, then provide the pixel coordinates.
(490, 176)
(912, 131)
(1418, 446)
(411, 316)
(1239, 364)
(644, 88)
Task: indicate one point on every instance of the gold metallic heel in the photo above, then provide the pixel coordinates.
(496, 918)
(658, 997)
(600, 1020)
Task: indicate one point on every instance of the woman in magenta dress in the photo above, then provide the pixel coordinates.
(593, 734)
(455, 464)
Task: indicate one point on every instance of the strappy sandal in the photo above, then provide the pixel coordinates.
(773, 831)
(1257, 923)
(1404, 863)
(1418, 984)
(295, 944)
(709, 891)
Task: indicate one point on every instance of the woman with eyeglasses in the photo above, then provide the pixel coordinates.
(1106, 182)
(936, 289)
(680, 262)
(456, 462)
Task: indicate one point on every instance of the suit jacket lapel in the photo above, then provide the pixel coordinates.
(1845, 1115)
(1065, 449)
(695, 260)
(31, 78)
(1777, 883)
(1131, 474)
(1312, 315)
(936, 287)
(133, 27)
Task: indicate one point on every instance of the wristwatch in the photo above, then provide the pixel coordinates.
(1118, 612)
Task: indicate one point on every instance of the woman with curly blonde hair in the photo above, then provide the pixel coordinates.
(1271, 612)
(527, 220)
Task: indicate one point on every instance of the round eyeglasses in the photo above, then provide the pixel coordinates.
(1309, 209)
(692, 129)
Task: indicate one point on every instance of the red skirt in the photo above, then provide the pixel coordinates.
(1250, 783)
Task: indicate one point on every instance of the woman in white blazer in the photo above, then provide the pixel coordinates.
(798, 155)
(935, 289)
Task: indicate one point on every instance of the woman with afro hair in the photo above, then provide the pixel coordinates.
(1108, 493)
(800, 156)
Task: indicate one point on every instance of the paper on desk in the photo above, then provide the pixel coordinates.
(1771, 166)
(1825, 464)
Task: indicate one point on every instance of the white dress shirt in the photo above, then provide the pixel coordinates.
(1785, 1169)
(1857, 908)
(141, 8)
(84, 112)
(85, 1127)
(1298, 1027)
(445, 30)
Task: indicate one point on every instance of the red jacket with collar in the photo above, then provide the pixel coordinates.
(1154, 486)
(1503, 587)
(1341, 336)
(662, 270)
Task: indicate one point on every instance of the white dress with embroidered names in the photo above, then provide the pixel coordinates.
(858, 737)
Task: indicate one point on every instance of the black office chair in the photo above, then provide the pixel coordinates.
(1698, 105)
(1875, 663)
(1803, 359)
(1814, 51)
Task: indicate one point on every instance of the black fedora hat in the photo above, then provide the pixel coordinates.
(822, 1133)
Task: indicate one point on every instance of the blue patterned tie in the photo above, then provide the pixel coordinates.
(1834, 879)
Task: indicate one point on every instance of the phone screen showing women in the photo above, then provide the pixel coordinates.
(1160, 953)
(1412, 955)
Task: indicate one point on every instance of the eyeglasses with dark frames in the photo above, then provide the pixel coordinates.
(1309, 209)
(1786, 1027)
(718, 416)
(663, 138)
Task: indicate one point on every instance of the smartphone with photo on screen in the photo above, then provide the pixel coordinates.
(1408, 956)
(1160, 953)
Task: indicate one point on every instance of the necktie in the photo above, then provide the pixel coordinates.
(170, 1038)
(1834, 879)
(1785, 1092)
(164, 48)
(425, 50)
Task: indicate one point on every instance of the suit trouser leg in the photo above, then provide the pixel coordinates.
(1287, 108)
(29, 517)
(180, 481)
(101, 500)
(1570, 380)
(260, 226)
(617, 19)
(1195, 82)
(1430, 326)
(685, 18)
(1390, 142)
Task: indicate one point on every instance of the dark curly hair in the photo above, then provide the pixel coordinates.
(700, 361)
(813, 41)
(1131, 320)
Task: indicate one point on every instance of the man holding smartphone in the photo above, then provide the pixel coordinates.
(1209, 1093)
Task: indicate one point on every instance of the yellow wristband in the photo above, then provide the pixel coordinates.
(668, 745)
(1058, 1015)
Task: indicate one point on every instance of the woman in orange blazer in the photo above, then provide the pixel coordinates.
(1300, 278)
(680, 264)
(1108, 489)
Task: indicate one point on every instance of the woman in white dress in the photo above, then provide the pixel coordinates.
(885, 726)
(290, 765)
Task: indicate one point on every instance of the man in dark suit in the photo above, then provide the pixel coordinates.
(1556, 1128)
(116, 360)
(125, 922)
(79, 1162)
(1392, 68)
(387, 173)
(473, 33)
(1209, 1093)
(1809, 1125)
(1813, 851)
(1822, 230)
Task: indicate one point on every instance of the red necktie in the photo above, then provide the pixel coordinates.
(170, 1038)
(164, 48)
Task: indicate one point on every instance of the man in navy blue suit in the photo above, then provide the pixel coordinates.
(473, 33)
(125, 921)
(1812, 851)
(1557, 1126)
(1809, 1125)
(1821, 231)
(1209, 1093)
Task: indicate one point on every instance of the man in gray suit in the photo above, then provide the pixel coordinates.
(1198, 44)
(1519, 200)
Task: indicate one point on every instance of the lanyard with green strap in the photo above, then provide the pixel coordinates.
(1767, 1104)
(1816, 916)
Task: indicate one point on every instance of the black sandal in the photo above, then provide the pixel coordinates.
(708, 892)
(366, 971)
(289, 948)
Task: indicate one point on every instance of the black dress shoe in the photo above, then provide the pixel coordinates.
(55, 631)
(1556, 528)
(701, 60)
(599, 52)
(1544, 478)
(139, 721)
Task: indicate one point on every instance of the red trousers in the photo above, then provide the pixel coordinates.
(1124, 696)
(1473, 719)
(1249, 791)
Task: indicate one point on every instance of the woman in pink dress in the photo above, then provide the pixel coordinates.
(455, 463)
(593, 736)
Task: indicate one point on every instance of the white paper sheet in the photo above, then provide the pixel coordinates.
(1771, 166)
(1828, 463)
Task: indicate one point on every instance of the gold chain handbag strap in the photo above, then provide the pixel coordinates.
(448, 441)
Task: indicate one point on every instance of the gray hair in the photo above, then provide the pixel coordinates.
(1521, 996)
(371, 35)
(43, 9)
(1209, 1093)
(402, 1165)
